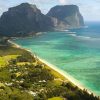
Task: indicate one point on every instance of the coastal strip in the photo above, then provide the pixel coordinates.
(66, 76)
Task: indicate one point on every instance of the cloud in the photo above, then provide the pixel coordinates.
(89, 8)
(3, 6)
(63, 2)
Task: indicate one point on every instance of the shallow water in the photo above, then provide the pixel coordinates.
(76, 51)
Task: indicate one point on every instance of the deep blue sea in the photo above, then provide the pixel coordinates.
(76, 52)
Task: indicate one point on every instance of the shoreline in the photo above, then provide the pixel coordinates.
(53, 67)
(65, 74)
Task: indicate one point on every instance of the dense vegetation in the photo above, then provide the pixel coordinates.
(24, 77)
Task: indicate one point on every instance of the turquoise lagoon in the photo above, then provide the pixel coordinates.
(77, 52)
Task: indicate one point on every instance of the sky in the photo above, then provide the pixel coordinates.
(90, 9)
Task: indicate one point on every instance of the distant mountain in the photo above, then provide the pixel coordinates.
(26, 19)
(69, 14)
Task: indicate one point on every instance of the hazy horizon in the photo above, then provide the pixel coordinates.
(89, 9)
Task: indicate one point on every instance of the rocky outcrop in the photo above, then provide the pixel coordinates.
(27, 19)
(69, 14)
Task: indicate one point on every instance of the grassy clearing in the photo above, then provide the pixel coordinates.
(4, 60)
(56, 98)
(11, 52)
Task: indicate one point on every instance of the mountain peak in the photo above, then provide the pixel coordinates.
(25, 7)
(28, 5)
(26, 18)
(67, 13)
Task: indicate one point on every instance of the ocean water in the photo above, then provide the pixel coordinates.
(77, 52)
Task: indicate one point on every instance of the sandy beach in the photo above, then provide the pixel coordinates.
(52, 67)
(66, 75)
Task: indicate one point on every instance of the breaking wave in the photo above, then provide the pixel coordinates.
(82, 37)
